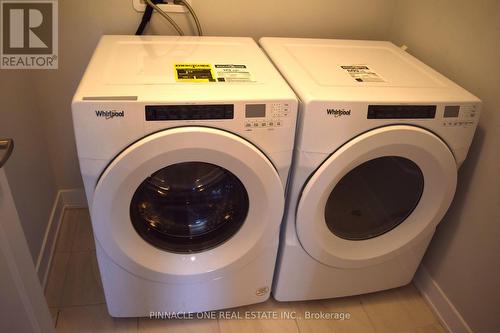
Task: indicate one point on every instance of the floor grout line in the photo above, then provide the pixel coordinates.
(79, 305)
(370, 320)
(218, 325)
(297, 325)
(61, 296)
(78, 251)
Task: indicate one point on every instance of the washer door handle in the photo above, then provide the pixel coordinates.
(6, 145)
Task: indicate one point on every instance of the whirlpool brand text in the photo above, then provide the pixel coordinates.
(338, 112)
(109, 114)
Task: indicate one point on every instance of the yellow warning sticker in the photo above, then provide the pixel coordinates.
(194, 73)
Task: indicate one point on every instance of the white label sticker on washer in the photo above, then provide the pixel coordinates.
(362, 73)
(232, 73)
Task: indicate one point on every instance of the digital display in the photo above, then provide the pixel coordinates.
(401, 111)
(451, 111)
(255, 110)
(189, 112)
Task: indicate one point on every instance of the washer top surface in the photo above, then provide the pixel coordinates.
(348, 70)
(171, 68)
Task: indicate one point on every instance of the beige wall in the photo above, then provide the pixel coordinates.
(461, 39)
(29, 169)
(83, 22)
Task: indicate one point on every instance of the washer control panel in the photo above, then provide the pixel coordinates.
(459, 115)
(261, 116)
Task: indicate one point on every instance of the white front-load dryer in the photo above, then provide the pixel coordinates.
(184, 144)
(379, 141)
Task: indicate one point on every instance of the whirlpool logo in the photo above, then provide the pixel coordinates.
(338, 112)
(110, 114)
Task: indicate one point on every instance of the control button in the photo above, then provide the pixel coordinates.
(248, 124)
(276, 107)
(255, 124)
(271, 123)
(278, 123)
(263, 124)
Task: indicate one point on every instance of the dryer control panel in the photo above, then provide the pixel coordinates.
(452, 115)
(260, 116)
(459, 115)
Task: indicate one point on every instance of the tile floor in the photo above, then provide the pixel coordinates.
(75, 296)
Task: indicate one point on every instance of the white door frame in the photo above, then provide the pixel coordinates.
(23, 307)
(420, 146)
(116, 187)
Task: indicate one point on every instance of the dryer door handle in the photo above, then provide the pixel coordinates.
(6, 146)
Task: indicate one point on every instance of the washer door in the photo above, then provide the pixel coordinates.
(184, 204)
(376, 196)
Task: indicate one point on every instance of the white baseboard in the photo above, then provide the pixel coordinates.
(450, 318)
(73, 198)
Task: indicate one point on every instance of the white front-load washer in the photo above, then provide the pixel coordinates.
(184, 145)
(379, 141)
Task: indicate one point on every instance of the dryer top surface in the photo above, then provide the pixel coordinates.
(348, 70)
(172, 68)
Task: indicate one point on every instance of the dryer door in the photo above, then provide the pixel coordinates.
(187, 203)
(376, 196)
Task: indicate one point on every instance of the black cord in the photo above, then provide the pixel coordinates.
(146, 17)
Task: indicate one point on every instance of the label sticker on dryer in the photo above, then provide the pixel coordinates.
(233, 73)
(194, 73)
(362, 73)
(212, 73)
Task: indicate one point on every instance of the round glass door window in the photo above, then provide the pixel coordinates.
(189, 207)
(374, 198)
